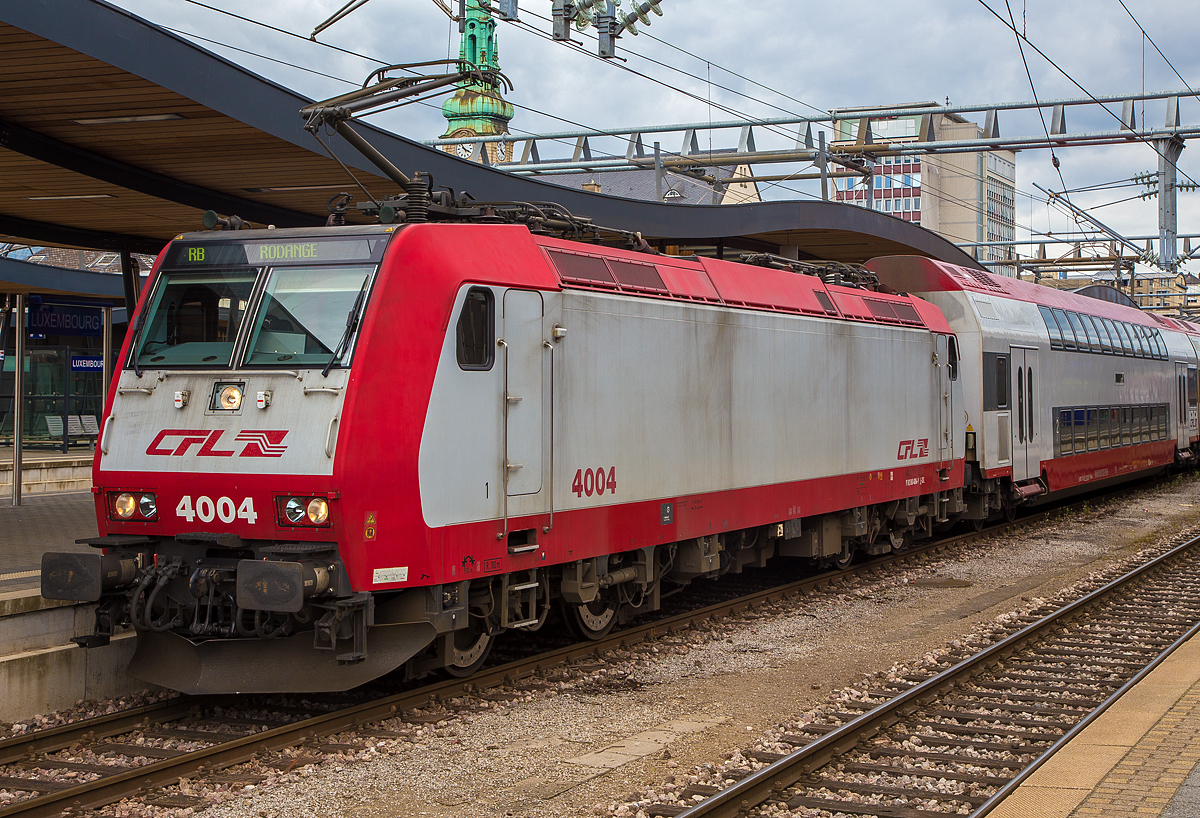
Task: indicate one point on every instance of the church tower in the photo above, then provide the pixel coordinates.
(477, 110)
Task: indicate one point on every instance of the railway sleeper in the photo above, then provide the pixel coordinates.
(995, 718)
(1026, 735)
(852, 808)
(834, 785)
(943, 741)
(948, 758)
(921, 772)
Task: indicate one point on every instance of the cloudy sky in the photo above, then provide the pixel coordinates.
(774, 58)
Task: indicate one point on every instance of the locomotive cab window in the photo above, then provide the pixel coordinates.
(1001, 382)
(475, 335)
(952, 346)
(194, 319)
(308, 316)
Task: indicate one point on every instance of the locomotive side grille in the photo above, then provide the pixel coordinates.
(826, 302)
(881, 309)
(581, 268)
(637, 276)
(893, 311)
(978, 279)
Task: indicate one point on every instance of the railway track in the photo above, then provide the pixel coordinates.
(966, 737)
(138, 751)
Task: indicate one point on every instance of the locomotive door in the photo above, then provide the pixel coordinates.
(523, 355)
(946, 363)
(1026, 463)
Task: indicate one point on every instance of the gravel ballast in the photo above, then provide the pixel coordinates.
(658, 721)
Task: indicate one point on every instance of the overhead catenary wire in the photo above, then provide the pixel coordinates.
(378, 61)
(766, 186)
(1195, 91)
(1076, 83)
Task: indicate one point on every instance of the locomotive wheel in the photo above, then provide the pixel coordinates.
(977, 525)
(1010, 512)
(591, 620)
(898, 540)
(469, 649)
(843, 559)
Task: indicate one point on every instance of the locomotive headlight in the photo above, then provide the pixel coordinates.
(294, 510)
(318, 510)
(147, 506)
(230, 398)
(125, 505)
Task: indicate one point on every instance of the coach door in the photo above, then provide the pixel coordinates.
(1026, 420)
(523, 356)
(1185, 401)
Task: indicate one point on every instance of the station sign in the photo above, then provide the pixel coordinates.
(87, 363)
(64, 319)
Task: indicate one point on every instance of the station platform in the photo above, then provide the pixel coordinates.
(47, 470)
(43, 522)
(1139, 758)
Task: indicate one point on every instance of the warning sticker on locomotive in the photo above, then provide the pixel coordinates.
(369, 526)
(381, 575)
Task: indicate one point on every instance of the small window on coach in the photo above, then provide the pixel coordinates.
(308, 315)
(475, 335)
(193, 318)
(1001, 382)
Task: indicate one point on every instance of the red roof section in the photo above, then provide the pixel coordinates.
(731, 284)
(918, 274)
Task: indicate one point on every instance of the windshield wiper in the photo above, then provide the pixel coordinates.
(138, 323)
(351, 326)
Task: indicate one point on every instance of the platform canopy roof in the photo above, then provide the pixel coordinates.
(116, 134)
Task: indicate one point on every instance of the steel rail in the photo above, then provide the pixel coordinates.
(130, 782)
(760, 786)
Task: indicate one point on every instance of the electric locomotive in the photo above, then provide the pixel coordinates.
(334, 452)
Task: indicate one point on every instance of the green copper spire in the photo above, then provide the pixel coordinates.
(474, 108)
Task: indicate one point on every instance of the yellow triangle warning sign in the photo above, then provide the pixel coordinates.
(370, 518)
(970, 428)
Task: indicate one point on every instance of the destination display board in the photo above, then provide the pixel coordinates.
(184, 255)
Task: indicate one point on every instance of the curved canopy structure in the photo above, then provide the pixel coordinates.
(116, 134)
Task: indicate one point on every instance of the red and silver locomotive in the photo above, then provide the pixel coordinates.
(330, 453)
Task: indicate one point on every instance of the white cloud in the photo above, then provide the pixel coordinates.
(826, 55)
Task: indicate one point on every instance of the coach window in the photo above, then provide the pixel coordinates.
(1105, 341)
(1104, 427)
(1001, 382)
(475, 335)
(1090, 329)
(1056, 341)
(1080, 431)
(1162, 345)
(1126, 338)
(1068, 335)
(1081, 338)
(1143, 341)
(1126, 425)
(1111, 328)
(1066, 439)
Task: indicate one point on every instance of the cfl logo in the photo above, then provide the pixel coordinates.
(913, 449)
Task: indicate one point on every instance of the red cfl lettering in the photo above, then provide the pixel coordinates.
(913, 449)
